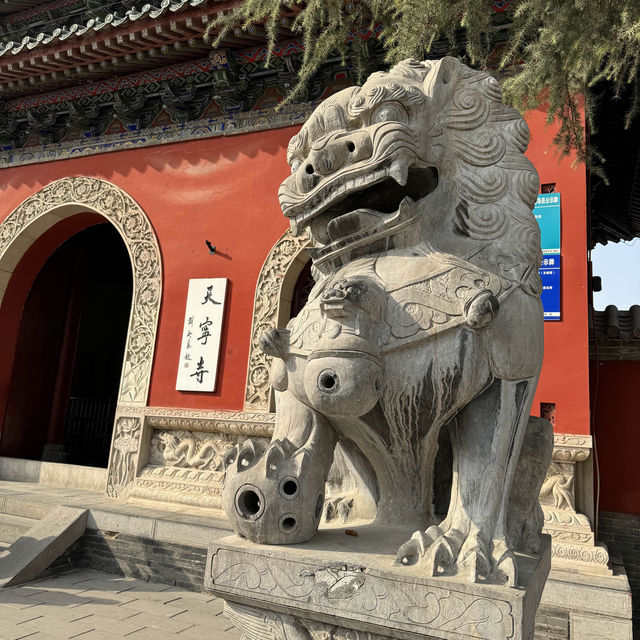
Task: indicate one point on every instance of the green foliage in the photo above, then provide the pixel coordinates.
(568, 47)
(553, 52)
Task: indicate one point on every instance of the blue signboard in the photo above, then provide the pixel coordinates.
(551, 287)
(547, 213)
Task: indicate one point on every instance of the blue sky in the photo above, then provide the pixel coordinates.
(618, 264)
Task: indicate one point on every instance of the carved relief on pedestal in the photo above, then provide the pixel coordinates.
(184, 466)
(189, 449)
(573, 541)
(184, 456)
(265, 316)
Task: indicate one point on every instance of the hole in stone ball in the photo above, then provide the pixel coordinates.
(249, 503)
(328, 380)
(290, 487)
(288, 524)
(351, 147)
(309, 168)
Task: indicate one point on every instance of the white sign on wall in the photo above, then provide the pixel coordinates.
(201, 335)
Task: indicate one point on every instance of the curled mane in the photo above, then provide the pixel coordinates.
(478, 144)
(496, 184)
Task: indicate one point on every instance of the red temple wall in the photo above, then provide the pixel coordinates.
(225, 190)
(565, 372)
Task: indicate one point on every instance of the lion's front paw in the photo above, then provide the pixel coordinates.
(448, 553)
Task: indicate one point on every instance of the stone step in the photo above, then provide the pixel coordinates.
(30, 555)
(13, 527)
(18, 506)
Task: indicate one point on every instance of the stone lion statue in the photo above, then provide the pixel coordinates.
(426, 312)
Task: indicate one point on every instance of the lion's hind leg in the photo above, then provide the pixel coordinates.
(486, 436)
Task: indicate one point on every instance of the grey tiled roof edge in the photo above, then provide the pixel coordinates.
(97, 24)
(617, 334)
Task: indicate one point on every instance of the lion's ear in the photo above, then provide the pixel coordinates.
(440, 82)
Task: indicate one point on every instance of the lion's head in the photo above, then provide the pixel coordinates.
(423, 156)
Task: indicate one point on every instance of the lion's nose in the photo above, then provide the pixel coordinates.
(340, 151)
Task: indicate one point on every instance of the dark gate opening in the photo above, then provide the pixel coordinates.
(69, 352)
(301, 290)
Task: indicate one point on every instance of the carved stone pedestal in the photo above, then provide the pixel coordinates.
(573, 545)
(343, 587)
(583, 584)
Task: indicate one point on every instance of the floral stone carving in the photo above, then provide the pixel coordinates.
(265, 316)
(124, 451)
(417, 197)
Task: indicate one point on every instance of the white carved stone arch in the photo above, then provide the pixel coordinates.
(67, 197)
(271, 308)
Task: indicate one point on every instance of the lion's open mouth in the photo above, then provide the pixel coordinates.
(360, 210)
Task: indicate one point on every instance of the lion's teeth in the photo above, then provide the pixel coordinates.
(406, 205)
(399, 172)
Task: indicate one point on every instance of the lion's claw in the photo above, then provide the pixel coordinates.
(507, 569)
(412, 551)
(441, 557)
(474, 560)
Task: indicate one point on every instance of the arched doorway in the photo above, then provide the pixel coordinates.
(68, 355)
(59, 203)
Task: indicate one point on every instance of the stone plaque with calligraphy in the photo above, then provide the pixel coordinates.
(201, 335)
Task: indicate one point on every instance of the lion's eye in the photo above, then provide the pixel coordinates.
(295, 164)
(390, 112)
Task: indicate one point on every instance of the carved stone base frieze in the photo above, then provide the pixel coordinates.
(242, 423)
(573, 541)
(257, 624)
(178, 485)
(347, 587)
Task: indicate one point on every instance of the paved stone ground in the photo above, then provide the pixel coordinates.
(89, 605)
